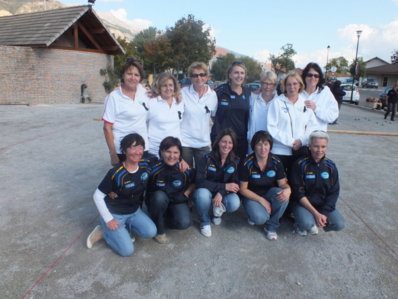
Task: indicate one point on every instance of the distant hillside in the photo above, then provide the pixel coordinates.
(13, 7)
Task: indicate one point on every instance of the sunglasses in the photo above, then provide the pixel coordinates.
(198, 75)
(312, 75)
(237, 63)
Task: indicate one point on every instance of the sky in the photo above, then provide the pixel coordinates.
(258, 28)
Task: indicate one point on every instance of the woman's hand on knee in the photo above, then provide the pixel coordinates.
(217, 199)
(113, 224)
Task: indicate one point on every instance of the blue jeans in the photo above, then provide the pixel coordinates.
(203, 202)
(259, 215)
(305, 220)
(162, 210)
(120, 240)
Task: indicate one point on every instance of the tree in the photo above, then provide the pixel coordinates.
(145, 36)
(190, 42)
(253, 68)
(359, 71)
(284, 61)
(158, 55)
(340, 63)
(394, 57)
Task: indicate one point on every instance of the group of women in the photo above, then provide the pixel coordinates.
(165, 151)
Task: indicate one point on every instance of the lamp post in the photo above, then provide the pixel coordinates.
(355, 65)
(327, 61)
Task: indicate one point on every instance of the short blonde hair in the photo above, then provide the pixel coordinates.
(163, 77)
(197, 65)
(268, 75)
(293, 75)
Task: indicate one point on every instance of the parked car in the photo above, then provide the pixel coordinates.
(383, 97)
(253, 86)
(347, 80)
(369, 83)
(348, 89)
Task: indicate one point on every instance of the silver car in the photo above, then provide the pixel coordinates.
(348, 89)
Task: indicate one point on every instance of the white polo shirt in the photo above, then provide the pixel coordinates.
(258, 116)
(126, 115)
(195, 126)
(163, 121)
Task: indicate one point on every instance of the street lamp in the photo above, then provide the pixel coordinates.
(356, 66)
(327, 61)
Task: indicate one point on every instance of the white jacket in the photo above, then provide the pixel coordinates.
(327, 109)
(287, 122)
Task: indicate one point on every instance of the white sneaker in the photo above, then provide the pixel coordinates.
(206, 230)
(94, 236)
(313, 230)
(302, 233)
(217, 220)
(250, 222)
(218, 211)
(273, 236)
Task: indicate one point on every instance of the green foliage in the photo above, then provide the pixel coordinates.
(190, 42)
(361, 68)
(219, 68)
(284, 62)
(158, 55)
(340, 63)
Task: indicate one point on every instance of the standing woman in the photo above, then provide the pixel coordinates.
(318, 97)
(120, 213)
(259, 104)
(200, 104)
(126, 109)
(264, 186)
(168, 190)
(233, 107)
(217, 181)
(289, 121)
(165, 112)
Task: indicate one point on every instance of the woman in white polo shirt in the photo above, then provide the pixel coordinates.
(165, 112)
(126, 109)
(200, 104)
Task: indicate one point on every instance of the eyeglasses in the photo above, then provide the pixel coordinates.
(240, 63)
(267, 84)
(309, 75)
(198, 75)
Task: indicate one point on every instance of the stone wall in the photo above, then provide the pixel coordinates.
(49, 76)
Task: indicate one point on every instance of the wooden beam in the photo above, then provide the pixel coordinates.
(80, 49)
(89, 36)
(362, 133)
(75, 36)
(112, 48)
(98, 31)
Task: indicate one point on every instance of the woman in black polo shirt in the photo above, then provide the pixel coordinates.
(264, 185)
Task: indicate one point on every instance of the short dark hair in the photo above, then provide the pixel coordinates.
(169, 142)
(131, 139)
(261, 136)
(225, 132)
(132, 61)
(317, 68)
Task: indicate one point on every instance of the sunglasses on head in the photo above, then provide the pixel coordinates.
(312, 75)
(198, 75)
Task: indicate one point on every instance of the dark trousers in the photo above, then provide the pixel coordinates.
(162, 210)
(392, 107)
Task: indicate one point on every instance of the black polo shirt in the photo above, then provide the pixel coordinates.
(261, 181)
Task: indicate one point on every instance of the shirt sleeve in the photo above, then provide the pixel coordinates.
(274, 127)
(99, 200)
(311, 126)
(296, 182)
(243, 173)
(110, 110)
(328, 109)
(202, 182)
(333, 193)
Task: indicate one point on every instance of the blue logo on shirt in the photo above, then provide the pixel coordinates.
(211, 168)
(271, 173)
(230, 169)
(256, 176)
(144, 176)
(177, 183)
(232, 97)
(160, 184)
(131, 185)
(310, 176)
(325, 175)
(224, 103)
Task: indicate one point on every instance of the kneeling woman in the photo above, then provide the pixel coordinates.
(264, 185)
(118, 199)
(169, 189)
(217, 181)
